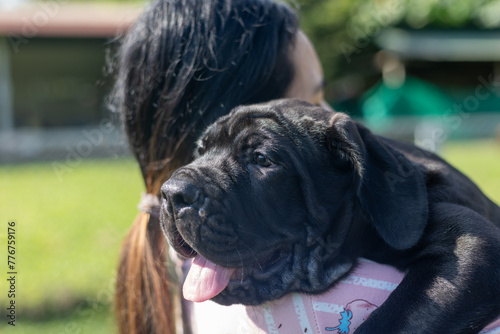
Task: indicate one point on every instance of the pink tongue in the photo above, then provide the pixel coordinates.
(205, 280)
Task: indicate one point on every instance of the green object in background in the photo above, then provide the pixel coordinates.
(413, 97)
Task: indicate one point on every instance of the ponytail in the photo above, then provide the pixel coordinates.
(144, 302)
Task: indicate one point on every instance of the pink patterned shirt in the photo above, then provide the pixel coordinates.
(338, 311)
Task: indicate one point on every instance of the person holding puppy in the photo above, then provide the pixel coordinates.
(180, 67)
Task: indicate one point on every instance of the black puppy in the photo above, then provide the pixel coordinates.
(286, 196)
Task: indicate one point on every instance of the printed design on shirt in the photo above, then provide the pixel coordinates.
(343, 328)
(353, 315)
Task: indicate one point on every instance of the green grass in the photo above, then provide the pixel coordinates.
(69, 229)
(71, 222)
(480, 161)
(80, 321)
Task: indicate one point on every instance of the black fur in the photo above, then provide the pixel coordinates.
(292, 195)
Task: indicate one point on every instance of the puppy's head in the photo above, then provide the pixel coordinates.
(268, 202)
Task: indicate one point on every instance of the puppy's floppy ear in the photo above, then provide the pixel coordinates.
(390, 188)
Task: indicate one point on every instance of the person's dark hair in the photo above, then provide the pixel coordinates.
(181, 66)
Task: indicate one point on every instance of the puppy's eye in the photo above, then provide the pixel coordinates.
(261, 160)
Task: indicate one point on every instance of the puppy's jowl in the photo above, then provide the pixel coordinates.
(284, 197)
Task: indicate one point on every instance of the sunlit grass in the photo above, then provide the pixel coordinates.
(480, 161)
(69, 228)
(81, 321)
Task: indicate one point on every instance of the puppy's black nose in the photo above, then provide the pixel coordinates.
(180, 194)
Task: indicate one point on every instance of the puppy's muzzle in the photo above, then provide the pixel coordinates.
(180, 195)
(183, 213)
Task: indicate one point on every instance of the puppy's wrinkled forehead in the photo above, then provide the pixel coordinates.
(284, 117)
(225, 130)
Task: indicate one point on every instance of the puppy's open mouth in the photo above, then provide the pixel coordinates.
(207, 279)
(181, 246)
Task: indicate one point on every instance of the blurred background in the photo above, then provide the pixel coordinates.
(426, 71)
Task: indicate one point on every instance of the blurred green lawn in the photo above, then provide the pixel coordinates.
(69, 229)
(480, 161)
